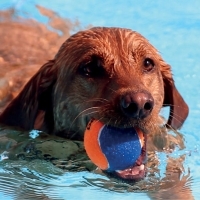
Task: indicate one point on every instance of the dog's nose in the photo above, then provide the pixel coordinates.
(137, 105)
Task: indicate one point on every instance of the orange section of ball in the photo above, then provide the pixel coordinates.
(141, 136)
(92, 146)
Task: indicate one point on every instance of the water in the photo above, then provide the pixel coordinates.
(173, 28)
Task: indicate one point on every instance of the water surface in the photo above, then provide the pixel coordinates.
(172, 27)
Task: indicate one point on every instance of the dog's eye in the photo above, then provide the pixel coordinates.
(92, 69)
(148, 65)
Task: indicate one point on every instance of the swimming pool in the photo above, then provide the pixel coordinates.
(173, 28)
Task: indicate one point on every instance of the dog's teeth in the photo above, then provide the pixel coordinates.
(141, 167)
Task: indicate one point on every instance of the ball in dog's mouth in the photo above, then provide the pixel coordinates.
(121, 151)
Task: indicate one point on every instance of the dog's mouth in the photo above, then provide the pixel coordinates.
(137, 171)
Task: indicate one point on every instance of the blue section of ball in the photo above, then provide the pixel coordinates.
(121, 147)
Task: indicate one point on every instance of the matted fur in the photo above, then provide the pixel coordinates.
(60, 99)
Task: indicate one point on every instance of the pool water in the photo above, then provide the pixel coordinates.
(31, 169)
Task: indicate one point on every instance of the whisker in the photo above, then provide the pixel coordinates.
(98, 120)
(112, 90)
(81, 113)
(115, 122)
(109, 120)
(71, 136)
(96, 99)
(174, 106)
(173, 116)
(97, 107)
(171, 128)
(176, 116)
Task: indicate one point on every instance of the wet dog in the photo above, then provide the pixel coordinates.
(111, 74)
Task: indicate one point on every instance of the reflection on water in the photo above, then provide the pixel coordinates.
(37, 167)
(49, 167)
(39, 179)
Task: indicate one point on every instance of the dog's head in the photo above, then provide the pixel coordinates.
(110, 74)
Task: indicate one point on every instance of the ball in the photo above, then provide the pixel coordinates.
(111, 148)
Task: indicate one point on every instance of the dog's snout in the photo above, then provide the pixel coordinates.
(137, 105)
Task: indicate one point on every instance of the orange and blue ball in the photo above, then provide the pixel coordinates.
(112, 148)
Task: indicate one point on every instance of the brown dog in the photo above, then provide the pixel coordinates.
(111, 74)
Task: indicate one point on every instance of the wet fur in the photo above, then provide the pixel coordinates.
(59, 99)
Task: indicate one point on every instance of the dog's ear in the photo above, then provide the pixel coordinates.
(178, 108)
(33, 104)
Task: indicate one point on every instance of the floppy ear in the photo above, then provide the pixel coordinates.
(33, 104)
(178, 108)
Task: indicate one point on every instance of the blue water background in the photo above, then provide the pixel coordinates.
(173, 27)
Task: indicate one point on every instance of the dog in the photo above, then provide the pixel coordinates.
(110, 74)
